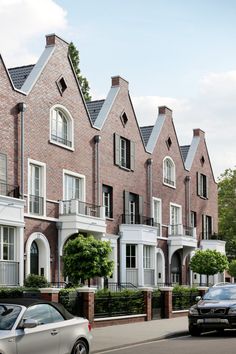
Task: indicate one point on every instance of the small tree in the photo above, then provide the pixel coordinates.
(86, 258)
(74, 55)
(232, 268)
(208, 262)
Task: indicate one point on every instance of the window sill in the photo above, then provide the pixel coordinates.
(110, 219)
(61, 145)
(125, 168)
(169, 185)
(202, 197)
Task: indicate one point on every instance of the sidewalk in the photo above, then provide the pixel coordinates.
(118, 336)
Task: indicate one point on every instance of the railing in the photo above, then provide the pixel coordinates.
(169, 181)
(36, 204)
(111, 305)
(184, 300)
(210, 236)
(60, 140)
(75, 206)
(181, 230)
(138, 219)
(9, 190)
(115, 287)
(9, 273)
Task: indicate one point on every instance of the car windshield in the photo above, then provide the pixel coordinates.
(221, 293)
(8, 316)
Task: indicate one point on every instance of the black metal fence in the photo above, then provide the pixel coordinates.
(118, 304)
(183, 300)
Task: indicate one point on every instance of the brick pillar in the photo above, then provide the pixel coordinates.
(50, 294)
(147, 295)
(202, 290)
(166, 293)
(88, 295)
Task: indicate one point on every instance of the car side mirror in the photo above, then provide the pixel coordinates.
(29, 323)
(198, 298)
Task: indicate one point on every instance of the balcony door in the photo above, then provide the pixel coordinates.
(175, 219)
(36, 189)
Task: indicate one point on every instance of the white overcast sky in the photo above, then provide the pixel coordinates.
(179, 53)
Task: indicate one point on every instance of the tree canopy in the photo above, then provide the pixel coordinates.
(232, 268)
(227, 210)
(85, 257)
(208, 262)
(74, 55)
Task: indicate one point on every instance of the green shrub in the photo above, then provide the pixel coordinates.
(183, 297)
(36, 281)
(11, 292)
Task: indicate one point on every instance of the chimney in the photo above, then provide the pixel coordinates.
(50, 40)
(119, 81)
(165, 110)
(198, 132)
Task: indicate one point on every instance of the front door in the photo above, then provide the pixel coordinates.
(34, 258)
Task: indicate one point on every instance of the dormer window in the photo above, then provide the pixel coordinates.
(169, 177)
(61, 127)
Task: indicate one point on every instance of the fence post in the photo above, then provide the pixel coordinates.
(49, 294)
(147, 295)
(88, 295)
(167, 293)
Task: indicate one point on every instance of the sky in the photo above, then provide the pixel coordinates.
(178, 53)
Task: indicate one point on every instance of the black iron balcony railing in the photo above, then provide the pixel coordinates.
(181, 230)
(75, 206)
(169, 181)
(9, 273)
(210, 236)
(36, 204)
(139, 219)
(9, 190)
(61, 140)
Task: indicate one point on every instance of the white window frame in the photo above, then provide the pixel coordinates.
(148, 256)
(132, 206)
(83, 184)
(157, 218)
(70, 127)
(107, 201)
(130, 257)
(166, 177)
(177, 227)
(1, 243)
(42, 166)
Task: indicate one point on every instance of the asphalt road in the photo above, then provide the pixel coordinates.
(210, 343)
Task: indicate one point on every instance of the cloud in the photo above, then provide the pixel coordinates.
(22, 22)
(213, 110)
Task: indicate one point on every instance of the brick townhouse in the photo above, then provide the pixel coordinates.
(67, 166)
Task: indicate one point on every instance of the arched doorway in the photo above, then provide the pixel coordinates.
(34, 258)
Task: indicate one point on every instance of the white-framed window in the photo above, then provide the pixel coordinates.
(73, 186)
(7, 243)
(169, 175)
(202, 185)
(175, 219)
(147, 257)
(124, 152)
(157, 214)
(132, 211)
(107, 200)
(37, 187)
(131, 257)
(61, 127)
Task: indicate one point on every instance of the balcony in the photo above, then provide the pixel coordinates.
(213, 241)
(9, 190)
(75, 215)
(36, 204)
(182, 236)
(140, 220)
(9, 273)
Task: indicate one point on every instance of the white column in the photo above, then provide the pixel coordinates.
(20, 237)
(140, 265)
(123, 263)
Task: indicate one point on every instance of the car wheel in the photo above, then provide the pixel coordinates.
(194, 331)
(80, 347)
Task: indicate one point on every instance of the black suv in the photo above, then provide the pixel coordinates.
(215, 311)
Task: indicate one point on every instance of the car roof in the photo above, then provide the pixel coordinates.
(27, 302)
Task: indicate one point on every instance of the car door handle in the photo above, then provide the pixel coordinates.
(54, 332)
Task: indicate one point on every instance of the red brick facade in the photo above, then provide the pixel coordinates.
(92, 161)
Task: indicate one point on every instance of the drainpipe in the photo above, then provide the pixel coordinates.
(149, 176)
(97, 139)
(188, 201)
(21, 110)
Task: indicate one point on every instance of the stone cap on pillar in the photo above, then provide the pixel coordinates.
(166, 288)
(49, 290)
(86, 289)
(145, 288)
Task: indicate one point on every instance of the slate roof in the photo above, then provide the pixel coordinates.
(184, 151)
(146, 132)
(94, 108)
(20, 74)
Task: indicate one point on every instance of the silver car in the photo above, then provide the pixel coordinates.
(33, 326)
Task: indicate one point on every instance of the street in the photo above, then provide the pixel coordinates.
(210, 343)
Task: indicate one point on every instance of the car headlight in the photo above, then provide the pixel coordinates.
(232, 310)
(193, 310)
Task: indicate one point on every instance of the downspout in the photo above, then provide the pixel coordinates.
(97, 139)
(149, 176)
(21, 109)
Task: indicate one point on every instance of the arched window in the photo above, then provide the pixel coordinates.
(169, 172)
(34, 258)
(61, 127)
